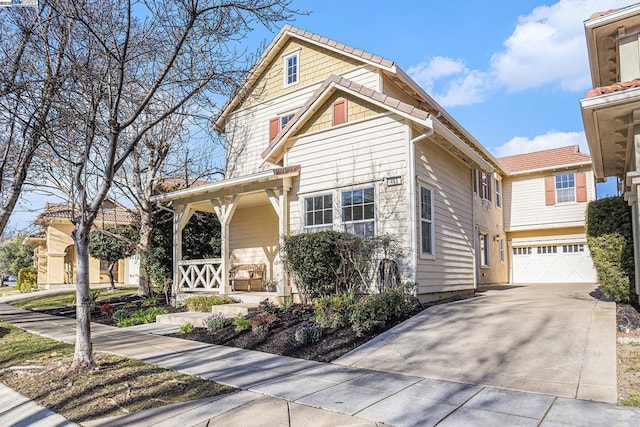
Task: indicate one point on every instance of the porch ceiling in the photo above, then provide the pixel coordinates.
(608, 121)
(246, 201)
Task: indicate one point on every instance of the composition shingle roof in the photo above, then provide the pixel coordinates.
(545, 159)
(346, 84)
(57, 211)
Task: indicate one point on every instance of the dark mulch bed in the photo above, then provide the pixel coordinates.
(128, 303)
(628, 318)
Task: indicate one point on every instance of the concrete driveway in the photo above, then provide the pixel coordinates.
(556, 339)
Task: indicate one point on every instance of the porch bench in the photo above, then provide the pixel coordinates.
(247, 277)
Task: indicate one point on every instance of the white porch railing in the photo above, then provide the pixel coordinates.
(200, 275)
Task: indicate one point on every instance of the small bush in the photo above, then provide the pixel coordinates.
(27, 279)
(308, 333)
(268, 307)
(120, 314)
(241, 323)
(132, 304)
(150, 301)
(106, 308)
(205, 303)
(186, 328)
(261, 323)
(334, 311)
(141, 316)
(376, 311)
(216, 322)
(607, 252)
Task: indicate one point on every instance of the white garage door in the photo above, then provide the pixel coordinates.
(564, 263)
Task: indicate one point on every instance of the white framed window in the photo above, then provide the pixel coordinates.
(291, 69)
(502, 257)
(565, 188)
(484, 249)
(522, 251)
(572, 248)
(498, 193)
(358, 211)
(427, 244)
(544, 250)
(284, 119)
(318, 213)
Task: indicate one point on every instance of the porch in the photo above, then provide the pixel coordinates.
(254, 215)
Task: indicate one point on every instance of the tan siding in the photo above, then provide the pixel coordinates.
(453, 268)
(526, 207)
(394, 91)
(356, 109)
(355, 156)
(254, 237)
(314, 65)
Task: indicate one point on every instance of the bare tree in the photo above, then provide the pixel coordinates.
(33, 71)
(134, 70)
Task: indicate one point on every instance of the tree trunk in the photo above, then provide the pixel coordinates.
(144, 284)
(110, 270)
(83, 356)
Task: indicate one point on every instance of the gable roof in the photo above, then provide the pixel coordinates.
(60, 211)
(287, 32)
(545, 159)
(337, 83)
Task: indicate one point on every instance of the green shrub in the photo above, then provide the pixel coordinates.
(241, 323)
(333, 311)
(376, 311)
(216, 322)
(27, 279)
(607, 252)
(609, 216)
(268, 307)
(204, 303)
(261, 323)
(308, 333)
(120, 314)
(186, 328)
(150, 301)
(141, 316)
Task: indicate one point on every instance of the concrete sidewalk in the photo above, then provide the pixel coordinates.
(277, 390)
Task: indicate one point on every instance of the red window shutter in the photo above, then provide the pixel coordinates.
(274, 128)
(550, 190)
(581, 187)
(339, 112)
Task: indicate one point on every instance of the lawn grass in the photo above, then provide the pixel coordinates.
(65, 299)
(629, 374)
(39, 368)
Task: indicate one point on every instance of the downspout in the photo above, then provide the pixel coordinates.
(412, 196)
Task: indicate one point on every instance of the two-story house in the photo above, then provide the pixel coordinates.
(611, 110)
(323, 136)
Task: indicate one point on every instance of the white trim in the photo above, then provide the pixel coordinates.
(427, 255)
(376, 199)
(575, 188)
(309, 228)
(552, 168)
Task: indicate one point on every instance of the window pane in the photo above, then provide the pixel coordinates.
(369, 211)
(346, 214)
(308, 204)
(317, 203)
(357, 213)
(328, 201)
(346, 198)
(426, 237)
(328, 216)
(368, 195)
(317, 216)
(357, 196)
(309, 218)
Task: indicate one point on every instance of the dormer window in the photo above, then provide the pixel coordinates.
(291, 69)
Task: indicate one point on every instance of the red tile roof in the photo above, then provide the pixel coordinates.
(605, 13)
(616, 87)
(545, 159)
(57, 211)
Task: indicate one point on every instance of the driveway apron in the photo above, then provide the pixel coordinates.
(557, 339)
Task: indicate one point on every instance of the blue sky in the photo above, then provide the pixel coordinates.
(511, 72)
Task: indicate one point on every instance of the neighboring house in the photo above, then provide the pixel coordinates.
(545, 199)
(55, 252)
(611, 110)
(323, 136)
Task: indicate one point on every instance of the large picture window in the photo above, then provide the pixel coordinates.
(565, 188)
(358, 211)
(426, 222)
(318, 213)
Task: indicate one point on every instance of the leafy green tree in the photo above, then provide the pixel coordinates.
(14, 255)
(112, 244)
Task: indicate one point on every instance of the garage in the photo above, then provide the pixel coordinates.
(568, 262)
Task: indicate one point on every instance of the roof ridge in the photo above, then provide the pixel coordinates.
(574, 147)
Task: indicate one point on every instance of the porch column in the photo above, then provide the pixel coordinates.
(224, 209)
(181, 215)
(280, 203)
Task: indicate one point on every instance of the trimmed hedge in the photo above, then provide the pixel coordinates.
(27, 279)
(205, 303)
(610, 238)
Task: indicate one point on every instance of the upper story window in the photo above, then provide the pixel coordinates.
(278, 123)
(565, 188)
(482, 184)
(291, 69)
(498, 193)
(318, 213)
(426, 222)
(358, 211)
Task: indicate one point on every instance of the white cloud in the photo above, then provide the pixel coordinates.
(464, 86)
(548, 46)
(552, 139)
